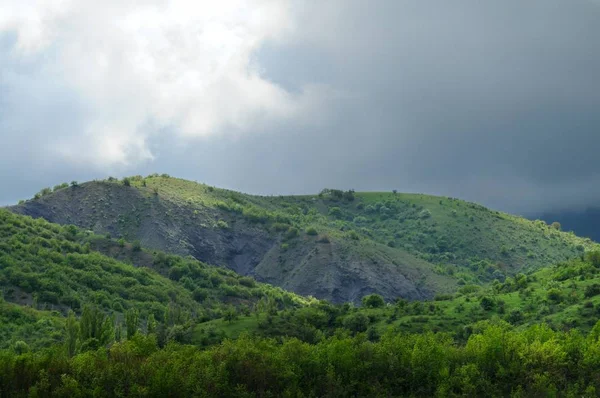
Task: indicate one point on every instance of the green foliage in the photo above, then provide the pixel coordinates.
(495, 361)
(373, 301)
(71, 333)
(311, 231)
(356, 322)
(487, 303)
(222, 224)
(95, 328)
(335, 212)
(132, 321)
(592, 290)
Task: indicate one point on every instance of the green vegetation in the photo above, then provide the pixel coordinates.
(497, 360)
(411, 245)
(49, 269)
(432, 296)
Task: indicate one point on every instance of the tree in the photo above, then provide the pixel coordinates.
(95, 324)
(136, 246)
(118, 332)
(20, 347)
(357, 322)
(230, 315)
(132, 320)
(126, 182)
(72, 332)
(151, 324)
(556, 225)
(487, 303)
(373, 301)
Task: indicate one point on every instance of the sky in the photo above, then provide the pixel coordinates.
(496, 102)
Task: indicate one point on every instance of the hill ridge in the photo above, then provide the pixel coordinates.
(395, 244)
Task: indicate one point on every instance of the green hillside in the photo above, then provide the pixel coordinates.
(47, 269)
(565, 296)
(338, 245)
(513, 305)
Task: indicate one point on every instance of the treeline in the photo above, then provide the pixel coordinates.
(497, 360)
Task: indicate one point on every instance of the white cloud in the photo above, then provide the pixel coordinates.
(183, 65)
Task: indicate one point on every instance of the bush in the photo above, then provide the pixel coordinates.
(592, 290)
(353, 235)
(487, 303)
(555, 295)
(291, 233)
(424, 214)
(136, 246)
(357, 322)
(311, 231)
(222, 224)
(373, 301)
(593, 258)
(515, 316)
(335, 212)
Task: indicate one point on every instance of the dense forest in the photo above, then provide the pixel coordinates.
(496, 360)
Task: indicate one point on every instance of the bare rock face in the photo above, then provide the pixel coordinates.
(334, 270)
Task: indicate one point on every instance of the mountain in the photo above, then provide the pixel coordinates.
(336, 245)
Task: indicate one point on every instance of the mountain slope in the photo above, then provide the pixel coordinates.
(336, 245)
(48, 267)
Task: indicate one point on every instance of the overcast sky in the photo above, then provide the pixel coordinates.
(496, 102)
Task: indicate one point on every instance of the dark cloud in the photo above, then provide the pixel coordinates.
(494, 102)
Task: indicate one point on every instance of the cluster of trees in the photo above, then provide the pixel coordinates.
(497, 360)
(337, 194)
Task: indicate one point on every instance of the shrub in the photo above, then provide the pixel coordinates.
(247, 281)
(443, 297)
(291, 233)
(373, 301)
(424, 214)
(353, 235)
(311, 231)
(593, 258)
(592, 290)
(555, 295)
(487, 303)
(126, 182)
(222, 224)
(469, 289)
(335, 212)
(357, 322)
(515, 316)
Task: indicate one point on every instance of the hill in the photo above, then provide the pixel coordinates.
(46, 270)
(336, 245)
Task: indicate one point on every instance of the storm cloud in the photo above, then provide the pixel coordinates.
(494, 102)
